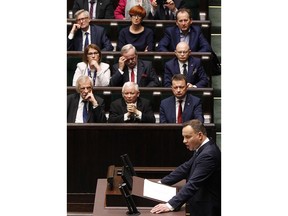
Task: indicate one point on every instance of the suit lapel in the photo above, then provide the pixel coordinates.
(75, 106)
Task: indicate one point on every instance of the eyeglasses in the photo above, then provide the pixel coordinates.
(92, 53)
(81, 19)
(183, 52)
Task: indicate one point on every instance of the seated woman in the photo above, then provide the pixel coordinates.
(123, 7)
(92, 66)
(136, 34)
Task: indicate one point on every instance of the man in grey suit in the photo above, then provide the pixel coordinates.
(130, 68)
(189, 105)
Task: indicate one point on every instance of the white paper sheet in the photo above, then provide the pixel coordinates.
(158, 191)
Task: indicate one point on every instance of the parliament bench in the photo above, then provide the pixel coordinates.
(155, 95)
(158, 60)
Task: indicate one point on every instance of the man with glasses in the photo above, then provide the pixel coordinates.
(84, 106)
(83, 34)
(180, 107)
(130, 68)
(202, 173)
(187, 65)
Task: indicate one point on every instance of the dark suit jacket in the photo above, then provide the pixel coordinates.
(196, 73)
(193, 5)
(203, 187)
(104, 9)
(146, 76)
(192, 109)
(160, 12)
(98, 37)
(96, 115)
(197, 41)
(118, 108)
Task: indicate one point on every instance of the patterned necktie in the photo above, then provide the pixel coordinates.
(91, 9)
(85, 112)
(179, 118)
(86, 40)
(184, 70)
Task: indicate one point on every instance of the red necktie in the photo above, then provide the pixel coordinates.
(132, 75)
(179, 119)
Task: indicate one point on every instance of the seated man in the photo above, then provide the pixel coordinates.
(131, 108)
(82, 34)
(185, 64)
(130, 68)
(184, 31)
(180, 107)
(84, 106)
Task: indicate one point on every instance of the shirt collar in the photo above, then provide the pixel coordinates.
(205, 141)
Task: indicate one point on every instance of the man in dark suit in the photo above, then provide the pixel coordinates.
(202, 174)
(180, 107)
(184, 31)
(84, 106)
(185, 64)
(102, 9)
(130, 68)
(83, 34)
(131, 108)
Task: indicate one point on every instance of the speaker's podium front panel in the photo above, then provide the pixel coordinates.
(111, 202)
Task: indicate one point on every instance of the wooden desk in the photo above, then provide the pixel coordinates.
(101, 210)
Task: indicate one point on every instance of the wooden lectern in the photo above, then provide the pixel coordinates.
(116, 203)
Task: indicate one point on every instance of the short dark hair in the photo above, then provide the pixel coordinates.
(183, 10)
(179, 77)
(197, 126)
(92, 46)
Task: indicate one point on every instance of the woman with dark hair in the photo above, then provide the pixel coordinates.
(136, 34)
(92, 66)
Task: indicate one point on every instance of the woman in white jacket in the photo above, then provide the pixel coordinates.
(92, 66)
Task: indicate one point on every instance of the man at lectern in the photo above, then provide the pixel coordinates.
(202, 173)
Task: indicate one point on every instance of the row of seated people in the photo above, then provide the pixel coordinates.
(127, 105)
(77, 40)
(145, 36)
(156, 9)
(150, 70)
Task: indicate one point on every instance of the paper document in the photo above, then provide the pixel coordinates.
(158, 191)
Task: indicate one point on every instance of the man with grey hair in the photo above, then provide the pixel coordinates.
(83, 34)
(84, 106)
(130, 68)
(131, 108)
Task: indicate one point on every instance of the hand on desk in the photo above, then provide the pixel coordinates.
(160, 208)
